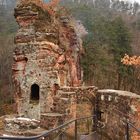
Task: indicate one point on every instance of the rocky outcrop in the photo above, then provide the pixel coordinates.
(20, 124)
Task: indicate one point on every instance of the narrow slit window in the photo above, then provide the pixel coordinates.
(35, 92)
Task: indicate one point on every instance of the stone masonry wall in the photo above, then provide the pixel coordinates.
(136, 119)
(65, 104)
(117, 107)
(47, 53)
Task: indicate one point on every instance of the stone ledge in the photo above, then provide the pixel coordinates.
(119, 92)
(80, 87)
(51, 120)
(52, 114)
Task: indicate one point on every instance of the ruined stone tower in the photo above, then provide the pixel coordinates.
(47, 56)
(48, 83)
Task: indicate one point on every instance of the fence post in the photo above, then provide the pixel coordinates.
(95, 113)
(127, 131)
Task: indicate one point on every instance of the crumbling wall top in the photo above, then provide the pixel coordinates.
(119, 93)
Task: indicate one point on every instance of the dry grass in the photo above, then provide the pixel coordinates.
(1, 123)
(7, 109)
(84, 110)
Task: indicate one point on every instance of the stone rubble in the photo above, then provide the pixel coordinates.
(20, 124)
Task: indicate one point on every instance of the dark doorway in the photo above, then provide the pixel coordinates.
(35, 92)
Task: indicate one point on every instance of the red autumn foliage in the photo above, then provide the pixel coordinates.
(134, 60)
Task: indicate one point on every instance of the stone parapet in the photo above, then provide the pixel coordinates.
(116, 108)
(51, 120)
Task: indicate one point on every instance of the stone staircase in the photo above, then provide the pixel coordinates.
(66, 94)
(60, 111)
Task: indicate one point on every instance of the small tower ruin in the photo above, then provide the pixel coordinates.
(47, 55)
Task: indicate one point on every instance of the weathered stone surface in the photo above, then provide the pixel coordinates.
(135, 111)
(51, 120)
(47, 53)
(20, 124)
(117, 107)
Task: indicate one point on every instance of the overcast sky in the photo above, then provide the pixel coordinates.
(133, 0)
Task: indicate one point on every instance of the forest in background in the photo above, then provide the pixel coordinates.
(8, 28)
(113, 31)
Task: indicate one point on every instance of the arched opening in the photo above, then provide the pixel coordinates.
(34, 93)
(26, 59)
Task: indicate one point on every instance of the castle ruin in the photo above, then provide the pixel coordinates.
(48, 78)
